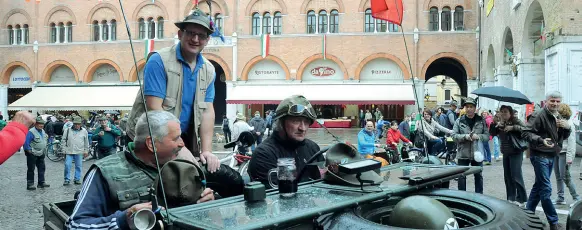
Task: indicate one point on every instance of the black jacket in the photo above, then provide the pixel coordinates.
(266, 154)
(541, 125)
(506, 145)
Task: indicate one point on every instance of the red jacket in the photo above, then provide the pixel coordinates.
(394, 136)
(12, 137)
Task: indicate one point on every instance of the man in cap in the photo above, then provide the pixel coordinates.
(259, 124)
(114, 186)
(34, 148)
(178, 79)
(468, 131)
(293, 117)
(76, 143)
(451, 116)
(105, 135)
(58, 125)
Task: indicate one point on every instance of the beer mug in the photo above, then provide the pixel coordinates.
(286, 177)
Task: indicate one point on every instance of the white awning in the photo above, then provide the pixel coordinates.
(339, 94)
(78, 98)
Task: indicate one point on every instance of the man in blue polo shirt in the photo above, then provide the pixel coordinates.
(180, 80)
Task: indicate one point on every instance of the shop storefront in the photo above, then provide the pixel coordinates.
(20, 84)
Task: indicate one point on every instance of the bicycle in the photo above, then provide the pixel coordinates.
(54, 151)
(92, 153)
(238, 159)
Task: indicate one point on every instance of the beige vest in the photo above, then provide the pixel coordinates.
(173, 101)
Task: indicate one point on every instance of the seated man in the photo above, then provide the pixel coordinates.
(113, 186)
(294, 116)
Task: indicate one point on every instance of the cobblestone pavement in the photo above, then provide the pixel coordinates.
(21, 209)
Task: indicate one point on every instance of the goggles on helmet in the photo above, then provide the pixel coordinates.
(298, 110)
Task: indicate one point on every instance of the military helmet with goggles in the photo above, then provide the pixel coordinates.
(296, 106)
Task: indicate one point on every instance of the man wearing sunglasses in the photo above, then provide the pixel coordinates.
(293, 117)
(178, 79)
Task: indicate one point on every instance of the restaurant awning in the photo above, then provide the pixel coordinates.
(340, 94)
(89, 98)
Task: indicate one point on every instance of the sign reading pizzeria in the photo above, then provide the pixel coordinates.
(320, 69)
(266, 70)
(381, 69)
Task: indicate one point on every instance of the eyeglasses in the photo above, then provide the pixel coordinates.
(190, 35)
(300, 109)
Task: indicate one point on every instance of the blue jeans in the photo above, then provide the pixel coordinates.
(542, 188)
(378, 133)
(259, 139)
(486, 150)
(434, 146)
(51, 139)
(496, 147)
(78, 166)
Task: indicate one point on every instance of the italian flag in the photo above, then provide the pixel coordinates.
(149, 47)
(324, 46)
(265, 40)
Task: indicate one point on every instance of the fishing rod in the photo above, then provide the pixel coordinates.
(153, 197)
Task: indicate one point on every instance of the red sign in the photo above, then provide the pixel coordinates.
(529, 108)
(322, 71)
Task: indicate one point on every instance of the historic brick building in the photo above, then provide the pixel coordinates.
(534, 46)
(72, 43)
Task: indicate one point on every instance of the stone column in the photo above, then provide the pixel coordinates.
(440, 20)
(273, 24)
(100, 32)
(531, 78)
(66, 34)
(109, 31)
(260, 24)
(147, 25)
(4, 101)
(375, 25)
(452, 20)
(316, 23)
(420, 95)
(58, 34)
(156, 28)
(328, 21)
(22, 33)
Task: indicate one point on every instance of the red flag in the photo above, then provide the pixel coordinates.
(388, 10)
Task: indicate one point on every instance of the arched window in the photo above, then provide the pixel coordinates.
(322, 23)
(10, 35)
(218, 20)
(18, 34)
(141, 23)
(61, 32)
(95, 30)
(69, 32)
(392, 27)
(459, 14)
(105, 34)
(256, 24)
(113, 30)
(446, 19)
(151, 28)
(277, 23)
(433, 23)
(53, 33)
(368, 21)
(267, 23)
(25, 33)
(160, 27)
(311, 26)
(334, 22)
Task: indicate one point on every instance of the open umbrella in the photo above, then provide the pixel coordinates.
(502, 93)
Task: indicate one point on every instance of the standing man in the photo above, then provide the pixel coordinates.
(378, 114)
(451, 115)
(545, 131)
(362, 118)
(76, 148)
(468, 130)
(105, 135)
(178, 79)
(36, 141)
(269, 122)
(226, 128)
(259, 124)
(404, 127)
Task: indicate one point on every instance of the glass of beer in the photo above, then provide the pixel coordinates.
(286, 177)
